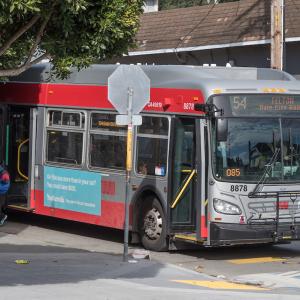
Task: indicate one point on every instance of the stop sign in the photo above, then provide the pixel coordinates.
(124, 78)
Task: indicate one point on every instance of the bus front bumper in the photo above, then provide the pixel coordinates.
(224, 234)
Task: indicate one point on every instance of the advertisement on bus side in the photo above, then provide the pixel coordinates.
(73, 190)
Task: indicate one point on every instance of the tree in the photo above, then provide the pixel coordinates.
(67, 32)
(168, 4)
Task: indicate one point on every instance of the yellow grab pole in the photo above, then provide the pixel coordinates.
(19, 160)
(129, 149)
(183, 189)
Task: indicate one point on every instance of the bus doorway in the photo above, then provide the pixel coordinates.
(182, 204)
(188, 213)
(17, 155)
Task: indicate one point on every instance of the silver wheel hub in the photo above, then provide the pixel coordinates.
(153, 224)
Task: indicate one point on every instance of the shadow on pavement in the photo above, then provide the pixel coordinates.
(52, 265)
(108, 234)
(73, 227)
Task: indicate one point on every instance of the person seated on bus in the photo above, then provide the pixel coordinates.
(143, 168)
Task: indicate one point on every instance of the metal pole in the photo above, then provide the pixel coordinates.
(277, 34)
(128, 171)
(277, 217)
(283, 35)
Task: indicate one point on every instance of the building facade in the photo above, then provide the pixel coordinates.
(236, 32)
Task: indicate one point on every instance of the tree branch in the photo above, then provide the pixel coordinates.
(29, 62)
(38, 37)
(19, 33)
(17, 71)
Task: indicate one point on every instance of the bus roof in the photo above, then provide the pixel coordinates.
(206, 79)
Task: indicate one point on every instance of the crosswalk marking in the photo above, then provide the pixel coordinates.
(225, 285)
(256, 260)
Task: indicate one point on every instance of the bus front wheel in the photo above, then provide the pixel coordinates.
(152, 226)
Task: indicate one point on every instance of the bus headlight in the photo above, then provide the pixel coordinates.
(225, 207)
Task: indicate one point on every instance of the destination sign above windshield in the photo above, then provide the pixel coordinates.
(264, 104)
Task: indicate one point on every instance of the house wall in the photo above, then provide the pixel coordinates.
(293, 58)
(247, 56)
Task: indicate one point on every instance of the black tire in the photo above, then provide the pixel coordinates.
(152, 225)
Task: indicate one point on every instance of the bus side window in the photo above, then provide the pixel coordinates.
(152, 146)
(64, 147)
(65, 134)
(107, 142)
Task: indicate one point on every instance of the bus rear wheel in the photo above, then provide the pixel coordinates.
(152, 226)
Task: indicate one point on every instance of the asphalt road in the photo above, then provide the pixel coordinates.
(74, 260)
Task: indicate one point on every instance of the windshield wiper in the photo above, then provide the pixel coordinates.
(267, 169)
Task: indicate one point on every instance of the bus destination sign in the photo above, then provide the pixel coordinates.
(264, 104)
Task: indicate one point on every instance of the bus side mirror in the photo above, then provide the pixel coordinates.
(208, 108)
(222, 130)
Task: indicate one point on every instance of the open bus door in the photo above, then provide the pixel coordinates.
(187, 182)
(18, 128)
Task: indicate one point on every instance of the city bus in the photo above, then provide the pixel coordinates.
(216, 161)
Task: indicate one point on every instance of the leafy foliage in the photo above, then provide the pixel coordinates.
(168, 4)
(68, 32)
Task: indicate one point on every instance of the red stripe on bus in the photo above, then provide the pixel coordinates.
(92, 96)
(203, 228)
(32, 199)
(112, 213)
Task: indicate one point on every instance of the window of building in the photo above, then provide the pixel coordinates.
(65, 136)
(152, 146)
(107, 142)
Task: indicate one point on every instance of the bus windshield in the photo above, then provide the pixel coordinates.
(250, 145)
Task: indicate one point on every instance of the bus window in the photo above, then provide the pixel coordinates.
(152, 146)
(106, 122)
(107, 142)
(71, 119)
(66, 118)
(154, 125)
(64, 147)
(55, 118)
(65, 134)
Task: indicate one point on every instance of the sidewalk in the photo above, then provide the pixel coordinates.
(274, 281)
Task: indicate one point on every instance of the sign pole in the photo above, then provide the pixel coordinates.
(128, 92)
(128, 171)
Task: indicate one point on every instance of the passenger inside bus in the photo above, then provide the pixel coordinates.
(143, 168)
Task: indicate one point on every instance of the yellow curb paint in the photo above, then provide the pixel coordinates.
(225, 285)
(255, 260)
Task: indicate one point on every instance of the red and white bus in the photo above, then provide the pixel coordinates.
(216, 160)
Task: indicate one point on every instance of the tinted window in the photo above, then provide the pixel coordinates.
(65, 137)
(107, 151)
(64, 147)
(107, 142)
(66, 118)
(154, 125)
(152, 146)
